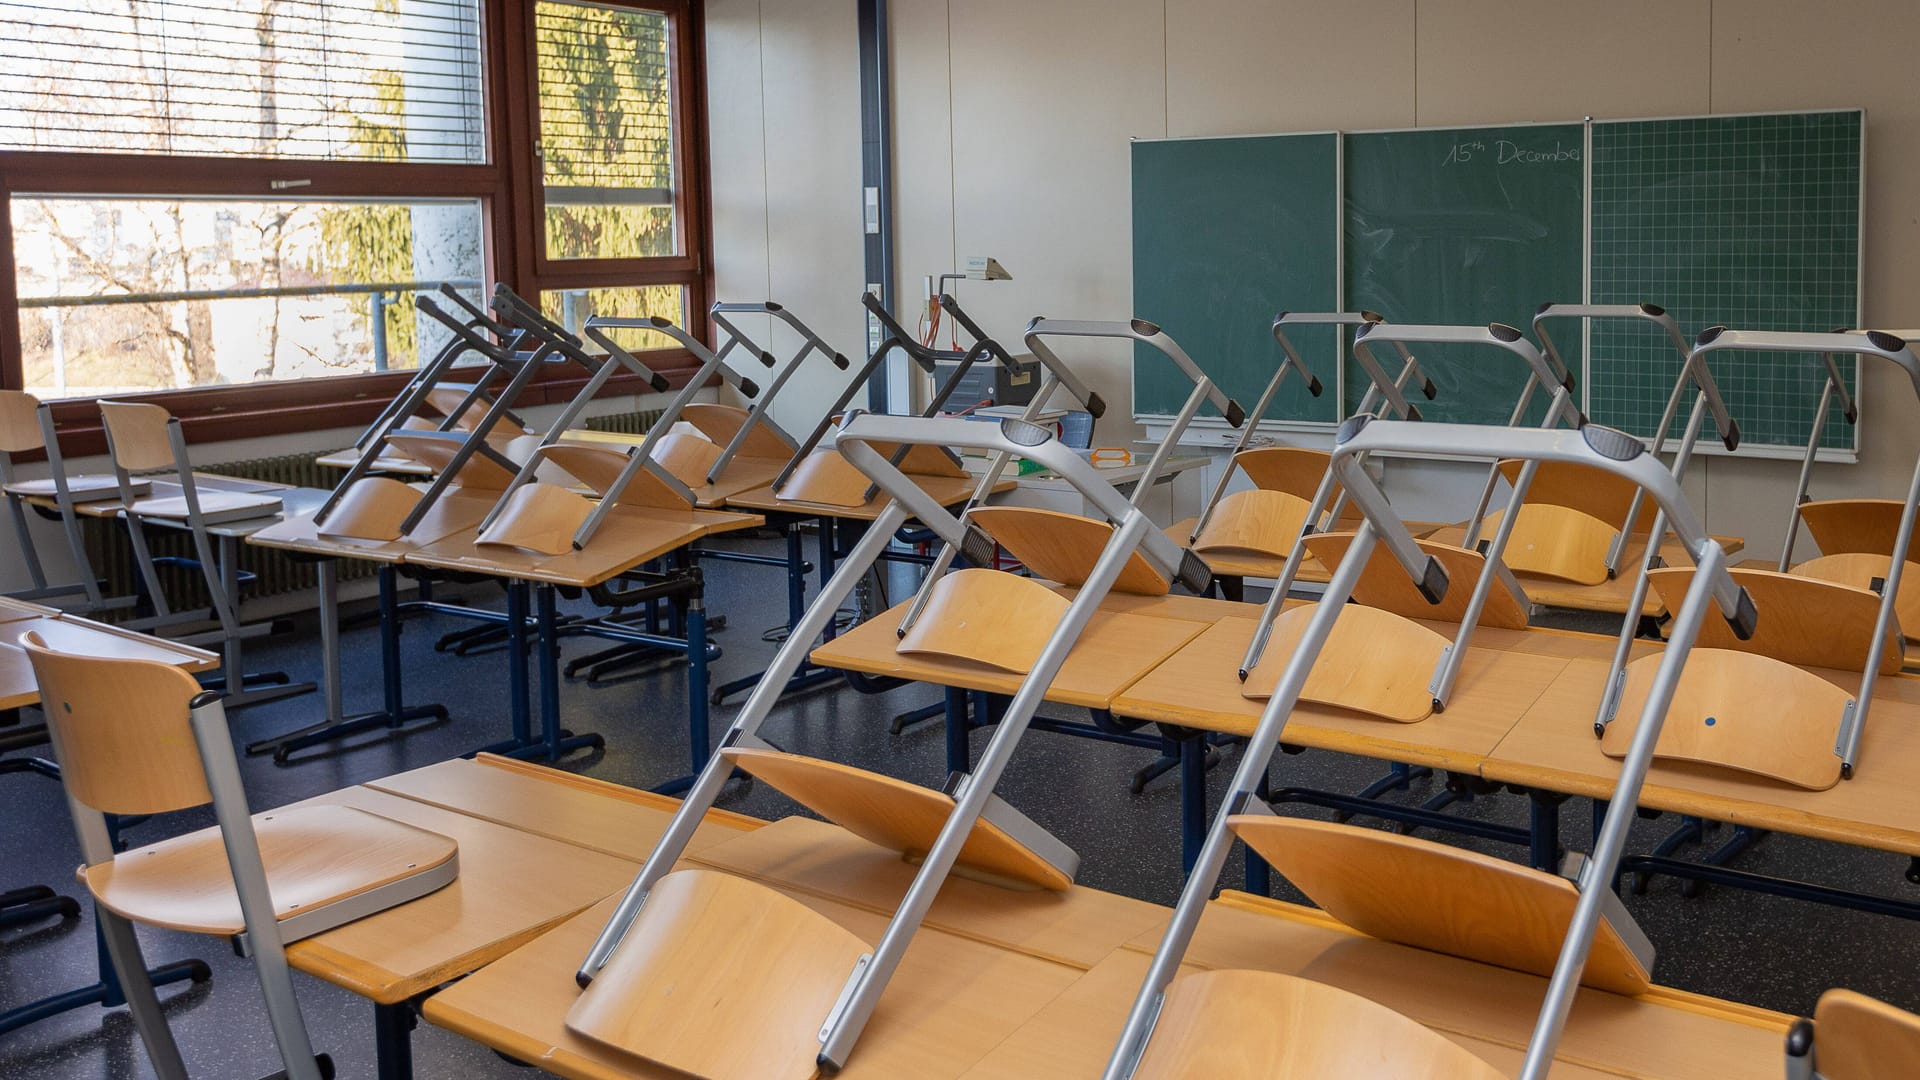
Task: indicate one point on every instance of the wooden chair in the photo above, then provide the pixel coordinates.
(1379, 660)
(1558, 542)
(140, 737)
(1447, 899)
(26, 425)
(1239, 1023)
(825, 478)
(1853, 1037)
(144, 438)
(1255, 522)
(1804, 620)
(1855, 537)
(550, 519)
(1063, 547)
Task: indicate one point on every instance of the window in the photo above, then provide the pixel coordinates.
(231, 203)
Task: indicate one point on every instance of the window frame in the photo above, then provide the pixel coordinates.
(507, 187)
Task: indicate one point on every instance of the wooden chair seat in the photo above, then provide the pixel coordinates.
(1803, 619)
(826, 478)
(993, 618)
(720, 423)
(435, 450)
(1857, 526)
(722, 978)
(1384, 584)
(1240, 1023)
(373, 508)
(316, 856)
(1556, 542)
(1860, 570)
(446, 398)
(1440, 898)
(541, 518)
(1858, 1038)
(1594, 492)
(81, 487)
(686, 457)
(1374, 662)
(599, 467)
(1288, 469)
(1740, 711)
(215, 506)
(898, 816)
(1063, 547)
(1254, 522)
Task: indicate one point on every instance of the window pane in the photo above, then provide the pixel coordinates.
(386, 79)
(123, 295)
(573, 307)
(606, 131)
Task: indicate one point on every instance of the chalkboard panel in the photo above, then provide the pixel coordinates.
(1226, 234)
(1465, 226)
(1745, 221)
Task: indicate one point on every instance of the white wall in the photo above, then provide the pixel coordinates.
(1011, 122)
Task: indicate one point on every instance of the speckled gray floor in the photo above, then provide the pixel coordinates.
(1771, 952)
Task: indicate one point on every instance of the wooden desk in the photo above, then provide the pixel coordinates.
(1199, 687)
(456, 511)
(1552, 747)
(1028, 985)
(1117, 648)
(1488, 1010)
(389, 465)
(75, 634)
(627, 538)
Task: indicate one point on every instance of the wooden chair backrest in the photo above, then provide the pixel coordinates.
(1374, 662)
(1858, 1038)
(1739, 711)
(137, 435)
(896, 815)
(1803, 620)
(599, 466)
(1063, 547)
(1594, 492)
(1869, 526)
(720, 423)
(1237, 1022)
(1859, 569)
(1440, 898)
(1385, 585)
(19, 422)
(480, 473)
(1557, 542)
(1285, 468)
(446, 401)
(826, 478)
(720, 976)
(990, 617)
(122, 730)
(1254, 522)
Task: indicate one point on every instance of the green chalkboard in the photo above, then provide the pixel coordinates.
(1743, 221)
(1465, 226)
(1226, 234)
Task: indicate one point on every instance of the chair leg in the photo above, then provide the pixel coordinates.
(123, 948)
(283, 1012)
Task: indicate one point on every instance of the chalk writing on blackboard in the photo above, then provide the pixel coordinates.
(1506, 152)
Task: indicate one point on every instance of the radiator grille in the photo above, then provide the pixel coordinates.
(274, 572)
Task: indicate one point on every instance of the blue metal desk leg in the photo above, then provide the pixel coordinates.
(1193, 799)
(1543, 832)
(1259, 874)
(393, 1039)
(105, 992)
(959, 746)
(699, 727)
(395, 716)
(555, 742)
(519, 709)
(807, 676)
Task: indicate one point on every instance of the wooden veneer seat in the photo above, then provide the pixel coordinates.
(1378, 659)
(1063, 547)
(826, 478)
(138, 440)
(1856, 538)
(544, 517)
(1855, 1037)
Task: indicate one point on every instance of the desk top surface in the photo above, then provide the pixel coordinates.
(1116, 648)
(991, 989)
(515, 881)
(1552, 746)
(629, 536)
(454, 512)
(75, 634)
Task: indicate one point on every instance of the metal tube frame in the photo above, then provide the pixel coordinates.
(1599, 447)
(810, 342)
(974, 793)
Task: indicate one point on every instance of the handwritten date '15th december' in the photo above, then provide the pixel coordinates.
(1508, 153)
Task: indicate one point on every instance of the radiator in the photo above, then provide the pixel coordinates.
(274, 572)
